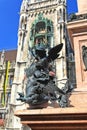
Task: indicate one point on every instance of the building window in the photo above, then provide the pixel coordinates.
(11, 80)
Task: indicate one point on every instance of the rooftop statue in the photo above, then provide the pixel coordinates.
(41, 86)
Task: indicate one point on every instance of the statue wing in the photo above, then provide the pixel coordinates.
(54, 52)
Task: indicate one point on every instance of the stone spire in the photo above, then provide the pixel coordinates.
(2, 58)
(24, 5)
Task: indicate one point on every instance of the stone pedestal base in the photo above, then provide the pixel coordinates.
(78, 98)
(54, 118)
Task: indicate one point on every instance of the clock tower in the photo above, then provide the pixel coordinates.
(41, 21)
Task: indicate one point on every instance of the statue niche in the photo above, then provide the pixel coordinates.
(84, 56)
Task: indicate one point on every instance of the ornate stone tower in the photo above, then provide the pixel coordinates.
(40, 21)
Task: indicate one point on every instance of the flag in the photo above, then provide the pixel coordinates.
(5, 83)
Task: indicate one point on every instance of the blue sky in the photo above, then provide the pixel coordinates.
(9, 21)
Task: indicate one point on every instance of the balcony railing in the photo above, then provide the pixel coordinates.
(74, 17)
(41, 4)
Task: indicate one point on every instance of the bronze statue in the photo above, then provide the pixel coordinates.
(84, 56)
(41, 86)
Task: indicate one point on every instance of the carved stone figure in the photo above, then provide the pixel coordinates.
(41, 86)
(84, 56)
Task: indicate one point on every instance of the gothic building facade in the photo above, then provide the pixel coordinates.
(7, 69)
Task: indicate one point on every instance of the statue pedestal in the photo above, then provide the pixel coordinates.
(78, 36)
(72, 118)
